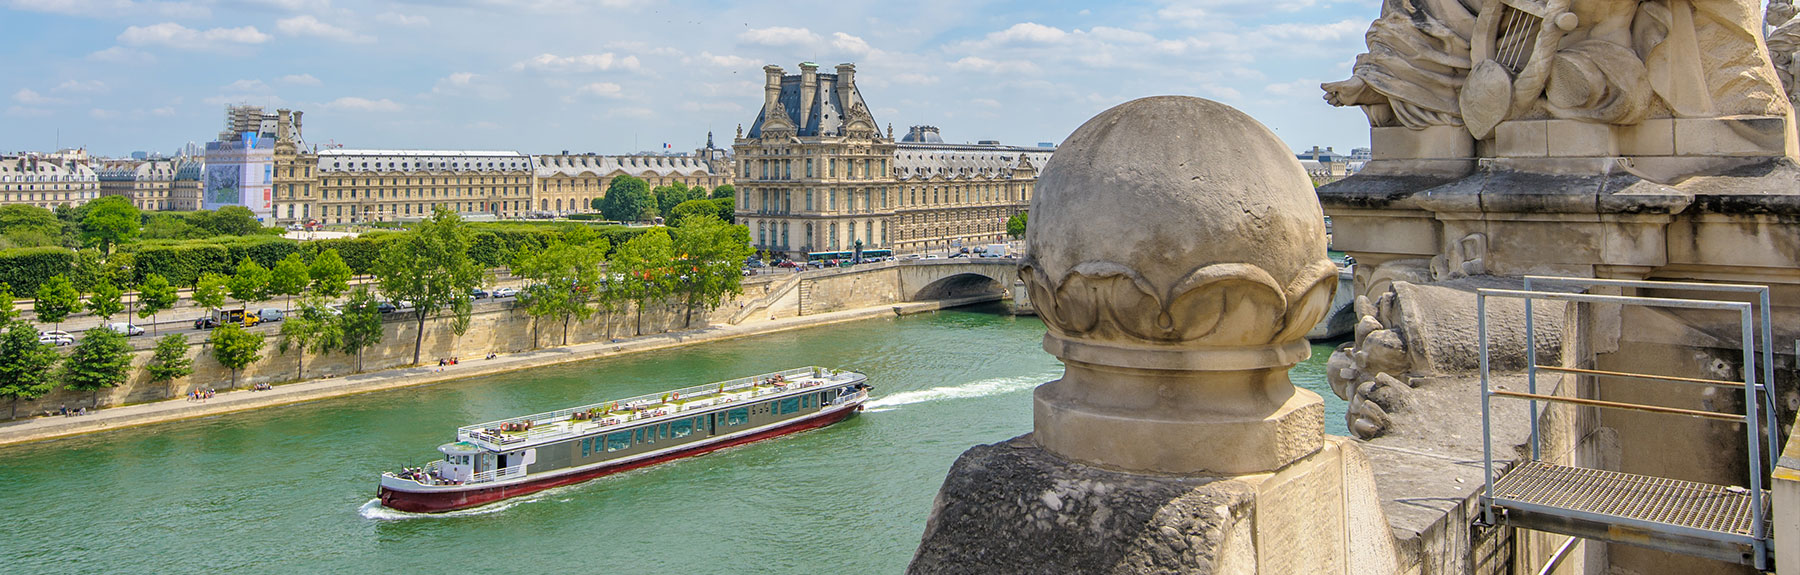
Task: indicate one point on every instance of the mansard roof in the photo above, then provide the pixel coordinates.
(824, 118)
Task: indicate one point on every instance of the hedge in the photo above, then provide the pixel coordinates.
(25, 268)
(183, 262)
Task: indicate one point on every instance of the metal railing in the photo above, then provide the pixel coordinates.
(1756, 413)
(708, 393)
(501, 474)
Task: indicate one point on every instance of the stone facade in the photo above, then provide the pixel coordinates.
(569, 183)
(46, 182)
(390, 185)
(147, 183)
(815, 173)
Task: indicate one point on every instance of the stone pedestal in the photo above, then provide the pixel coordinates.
(1013, 507)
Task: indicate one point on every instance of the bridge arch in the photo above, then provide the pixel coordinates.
(933, 280)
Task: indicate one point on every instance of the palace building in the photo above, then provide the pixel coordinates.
(358, 186)
(569, 183)
(46, 182)
(814, 174)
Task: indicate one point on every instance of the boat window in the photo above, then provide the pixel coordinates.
(681, 428)
(587, 447)
(790, 405)
(640, 434)
(649, 434)
(618, 441)
(663, 430)
(737, 416)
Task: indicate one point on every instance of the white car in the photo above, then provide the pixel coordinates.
(125, 329)
(505, 292)
(57, 338)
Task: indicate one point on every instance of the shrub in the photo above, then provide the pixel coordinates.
(25, 268)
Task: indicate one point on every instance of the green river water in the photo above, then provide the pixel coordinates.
(290, 490)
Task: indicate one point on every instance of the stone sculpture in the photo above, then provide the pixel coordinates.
(1482, 63)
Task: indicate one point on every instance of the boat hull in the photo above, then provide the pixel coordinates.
(440, 501)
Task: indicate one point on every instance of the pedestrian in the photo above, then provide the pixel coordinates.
(64, 410)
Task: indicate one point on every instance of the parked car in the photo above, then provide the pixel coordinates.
(787, 264)
(56, 337)
(269, 314)
(125, 329)
(478, 293)
(387, 307)
(505, 292)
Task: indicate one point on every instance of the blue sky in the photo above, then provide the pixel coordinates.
(614, 76)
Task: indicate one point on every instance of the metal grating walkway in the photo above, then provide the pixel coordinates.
(1699, 506)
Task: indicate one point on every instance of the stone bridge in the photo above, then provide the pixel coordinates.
(816, 291)
(940, 279)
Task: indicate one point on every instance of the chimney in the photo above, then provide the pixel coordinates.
(771, 86)
(846, 86)
(283, 126)
(809, 89)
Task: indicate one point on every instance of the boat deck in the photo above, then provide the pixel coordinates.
(556, 425)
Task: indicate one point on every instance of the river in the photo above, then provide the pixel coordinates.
(290, 490)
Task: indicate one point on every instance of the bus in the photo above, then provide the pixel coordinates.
(848, 255)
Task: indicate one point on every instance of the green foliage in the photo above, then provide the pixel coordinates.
(29, 226)
(290, 277)
(234, 347)
(720, 209)
(645, 264)
(170, 361)
(89, 269)
(1015, 225)
(155, 295)
(169, 227)
(330, 275)
(724, 192)
(671, 195)
(26, 268)
(709, 254)
(312, 330)
(56, 299)
(250, 283)
(628, 199)
(27, 368)
(106, 300)
(8, 313)
(565, 280)
(429, 266)
(101, 360)
(183, 262)
(227, 221)
(209, 292)
(361, 323)
(109, 220)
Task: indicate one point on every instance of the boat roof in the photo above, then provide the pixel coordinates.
(552, 426)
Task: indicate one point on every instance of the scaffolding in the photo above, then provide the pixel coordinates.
(1726, 523)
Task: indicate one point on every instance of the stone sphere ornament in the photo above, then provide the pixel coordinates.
(1177, 256)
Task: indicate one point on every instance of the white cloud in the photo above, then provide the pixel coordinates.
(80, 87)
(121, 55)
(25, 112)
(779, 36)
(306, 25)
(850, 44)
(299, 80)
(1028, 32)
(354, 104)
(163, 112)
(30, 97)
(174, 35)
(99, 114)
(602, 89)
(728, 61)
(639, 113)
(986, 66)
(584, 63)
(469, 84)
(246, 86)
(404, 20)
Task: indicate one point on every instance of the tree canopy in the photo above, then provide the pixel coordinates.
(628, 199)
(708, 257)
(109, 220)
(155, 295)
(670, 195)
(105, 300)
(27, 368)
(429, 266)
(643, 266)
(360, 326)
(235, 348)
(250, 283)
(290, 277)
(566, 281)
(724, 192)
(330, 275)
(209, 292)
(101, 360)
(170, 361)
(56, 299)
(1015, 225)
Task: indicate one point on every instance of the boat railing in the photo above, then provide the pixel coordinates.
(501, 474)
(535, 428)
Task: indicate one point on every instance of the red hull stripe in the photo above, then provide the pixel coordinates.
(439, 502)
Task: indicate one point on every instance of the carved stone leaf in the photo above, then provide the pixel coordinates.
(1486, 98)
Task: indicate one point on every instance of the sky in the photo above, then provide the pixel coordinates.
(618, 76)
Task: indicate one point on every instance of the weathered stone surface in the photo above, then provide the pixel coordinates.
(1012, 507)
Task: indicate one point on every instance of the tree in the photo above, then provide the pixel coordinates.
(671, 195)
(565, 278)
(8, 313)
(88, 270)
(1015, 225)
(645, 264)
(330, 275)
(711, 253)
(110, 220)
(250, 283)
(106, 300)
(720, 208)
(724, 192)
(310, 330)
(228, 221)
(26, 366)
(209, 292)
(430, 267)
(155, 295)
(170, 361)
(235, 348)
(102, 360)
(169, 227)
(628, 199)
(30, 226)
(56, 299)
(360, 324)
(289, 278)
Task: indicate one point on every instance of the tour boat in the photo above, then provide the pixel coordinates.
(493, 461)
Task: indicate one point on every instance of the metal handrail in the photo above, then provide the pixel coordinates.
(1629, 375)
(1750, 418)
(498, 474)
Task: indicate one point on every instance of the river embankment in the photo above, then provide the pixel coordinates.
(53, 427)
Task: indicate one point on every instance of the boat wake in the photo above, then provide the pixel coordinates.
(376, 511)
(982, 388)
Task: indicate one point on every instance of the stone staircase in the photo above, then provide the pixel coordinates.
(806, 298)
(776, 293)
